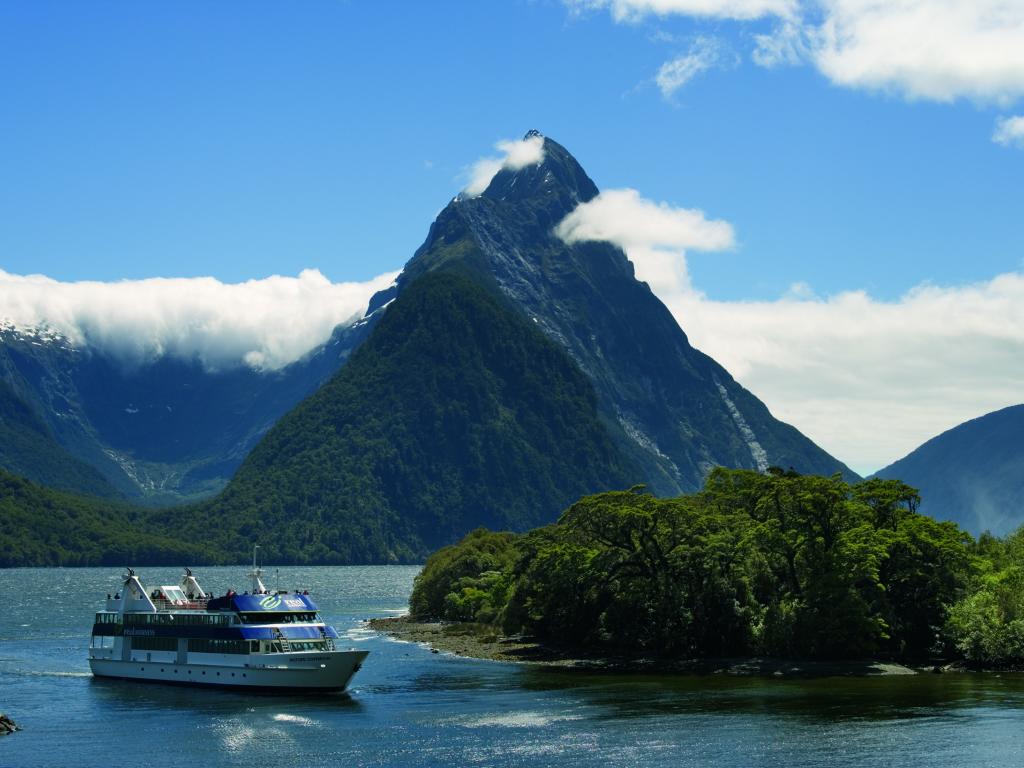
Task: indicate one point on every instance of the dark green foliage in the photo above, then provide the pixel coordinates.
(777, 564)
(461, 582)
(973, 474)
(28, 448)
(987, 626)
(41, 527)
(455, 413)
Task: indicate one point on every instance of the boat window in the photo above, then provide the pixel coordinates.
(174, 594)
(278, 618)
(202, 645)
(154, 643)
(307, 645)
(176, 619)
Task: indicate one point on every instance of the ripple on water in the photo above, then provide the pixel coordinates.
(514, 720)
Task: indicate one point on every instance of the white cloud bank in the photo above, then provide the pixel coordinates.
(868, 380)
(1010, 132)
(264, 324)
(938, 50)
(516, 155)
(871, 380)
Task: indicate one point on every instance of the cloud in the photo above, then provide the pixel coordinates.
(936, 50)
(264, 324)
(677, 72)
(870, 380)
(784, 46)
(517, 154)
(654, 235)
(636, 10)
(623, 217)
(939, 50)
(866, 379)
(1010, 132)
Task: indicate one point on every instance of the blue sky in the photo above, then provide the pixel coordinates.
(247, 139)
(240, 140)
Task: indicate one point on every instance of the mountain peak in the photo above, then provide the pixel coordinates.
(557, 179)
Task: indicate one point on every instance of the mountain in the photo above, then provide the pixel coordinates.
(28, 448)
(456, 412)
(510, 374)
(674, 410)
(972, 474)
(164, 430)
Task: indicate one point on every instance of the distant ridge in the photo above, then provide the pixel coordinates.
(972, 474)
(164, 431)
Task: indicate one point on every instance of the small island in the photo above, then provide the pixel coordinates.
(775, 574)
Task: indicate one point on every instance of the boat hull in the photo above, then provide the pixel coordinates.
(324, 672)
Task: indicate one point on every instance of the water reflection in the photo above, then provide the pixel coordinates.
(129, 695)
(823, 699)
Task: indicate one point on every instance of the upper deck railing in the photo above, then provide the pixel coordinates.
(163, 604)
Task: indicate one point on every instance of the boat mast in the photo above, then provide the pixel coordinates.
(257, 582)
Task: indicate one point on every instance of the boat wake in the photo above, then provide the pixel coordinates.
(514, 720)
(44, 673)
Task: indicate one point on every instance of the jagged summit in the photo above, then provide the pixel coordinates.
(558, 180)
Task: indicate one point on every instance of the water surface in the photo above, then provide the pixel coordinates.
(410, 707)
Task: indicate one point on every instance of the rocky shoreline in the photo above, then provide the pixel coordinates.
(480, 642)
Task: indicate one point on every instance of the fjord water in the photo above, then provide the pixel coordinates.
(409, 707)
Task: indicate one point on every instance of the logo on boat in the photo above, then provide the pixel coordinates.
(270, 602)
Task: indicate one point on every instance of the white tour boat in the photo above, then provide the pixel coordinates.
(182, 634)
